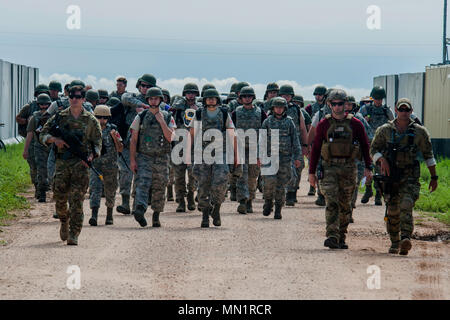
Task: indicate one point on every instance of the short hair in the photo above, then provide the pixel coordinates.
(122, 79)
(74, 89)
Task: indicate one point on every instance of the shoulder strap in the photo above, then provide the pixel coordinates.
(225, 117)
(142, 115)
(328, 116)
(198, 114)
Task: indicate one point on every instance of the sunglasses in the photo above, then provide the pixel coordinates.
(146, 85)
(44, 104)
(404, 110)
(102, 117)
(340, 104)
(75, 96)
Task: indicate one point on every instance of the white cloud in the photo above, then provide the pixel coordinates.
(175, 86)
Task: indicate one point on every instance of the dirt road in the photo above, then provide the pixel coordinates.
(249, 257)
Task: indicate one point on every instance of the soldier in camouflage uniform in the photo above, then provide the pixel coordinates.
(93, 97)
(106, 164)
(35, 125)
(289, 149)
(408, 138)
(149, 156)
(376, 115)
(287, 92)
(133, 104)
(121, 85)
(351, 107)
(339, 140)
(212, 178)
(22, 120)
(169, 196)
(55, 88)
(247, 117)
(179, 109)
(272, 90)
(72, 177)
(104, 96)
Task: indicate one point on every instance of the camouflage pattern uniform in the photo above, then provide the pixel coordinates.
(179, 170)
(153, 152)
(406, 190)
(246, 184)
(40, 152)
(72, 177)
(289, 148)
(107, 166)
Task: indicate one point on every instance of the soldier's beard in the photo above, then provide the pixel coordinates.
(190, 101)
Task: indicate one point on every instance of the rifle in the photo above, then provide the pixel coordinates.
(74, 142)
(386, 184)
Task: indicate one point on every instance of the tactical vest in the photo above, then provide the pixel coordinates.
(377, 115)
(294, 112)
(339, 140)
(248, 118)
(39, 122)
(22, 128)
(315, 108)
(219, 123)
(151, 137)
(284, 128)
(324, 112)
(108, 156)
(405, 146)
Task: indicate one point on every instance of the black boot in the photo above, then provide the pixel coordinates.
(320, 200)
(170, 193)
(290, 197)
(205, 218)
(312, 191)
(155, 220)
(181, 205)
(277, 211)
(125, 206)
(295, 196)
(249, 206)
(149, 200)
(215, 214)
(190, 201)
(378, 201)
(267, 208)
(42, 196)
(242, 208)
(139, 215)
(93, 219)
(342, 244)
(331, 243)
(55, 215)
(367, 194)
(109, 216)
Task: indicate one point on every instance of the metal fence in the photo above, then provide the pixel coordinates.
(17, 83)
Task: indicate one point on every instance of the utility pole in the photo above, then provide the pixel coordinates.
(445, 41)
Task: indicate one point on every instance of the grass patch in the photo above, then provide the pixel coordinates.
(14, 179)
(437, 202)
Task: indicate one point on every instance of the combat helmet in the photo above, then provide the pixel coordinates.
(148, 78)
(77, 83)
(103, 93)
(233, 87)
(55, 85)
(211, 93)
(279, 102)
(43, 98)
(41, 88)
(320, 90)
(286, 89)
(206, 87)
(102, 111)
(248, 91)
(190, 88)
(378, 93)
(112, 102)
(337, 94)
(166, 93)
(154, 92)
(273, 86)
(240, 85)
(298, 100)
(92, 95)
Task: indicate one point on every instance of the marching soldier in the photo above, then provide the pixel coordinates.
(35, 125)
(179, 109)
(71, 176)
(289, 150)
(394, 148)
(212, 178)
(132, 104)
(55, 88)
(339, 140)
(149, 156)
(376, 115)
(106, 164)
(272, 90)
(22, 120)
(247, 117)
(287, 92)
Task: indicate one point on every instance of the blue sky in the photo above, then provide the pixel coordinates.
(301, 42)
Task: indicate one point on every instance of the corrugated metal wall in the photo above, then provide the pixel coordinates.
(437, 101)
(17, 83)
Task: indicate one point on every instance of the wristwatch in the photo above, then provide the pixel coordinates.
(434, 177)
